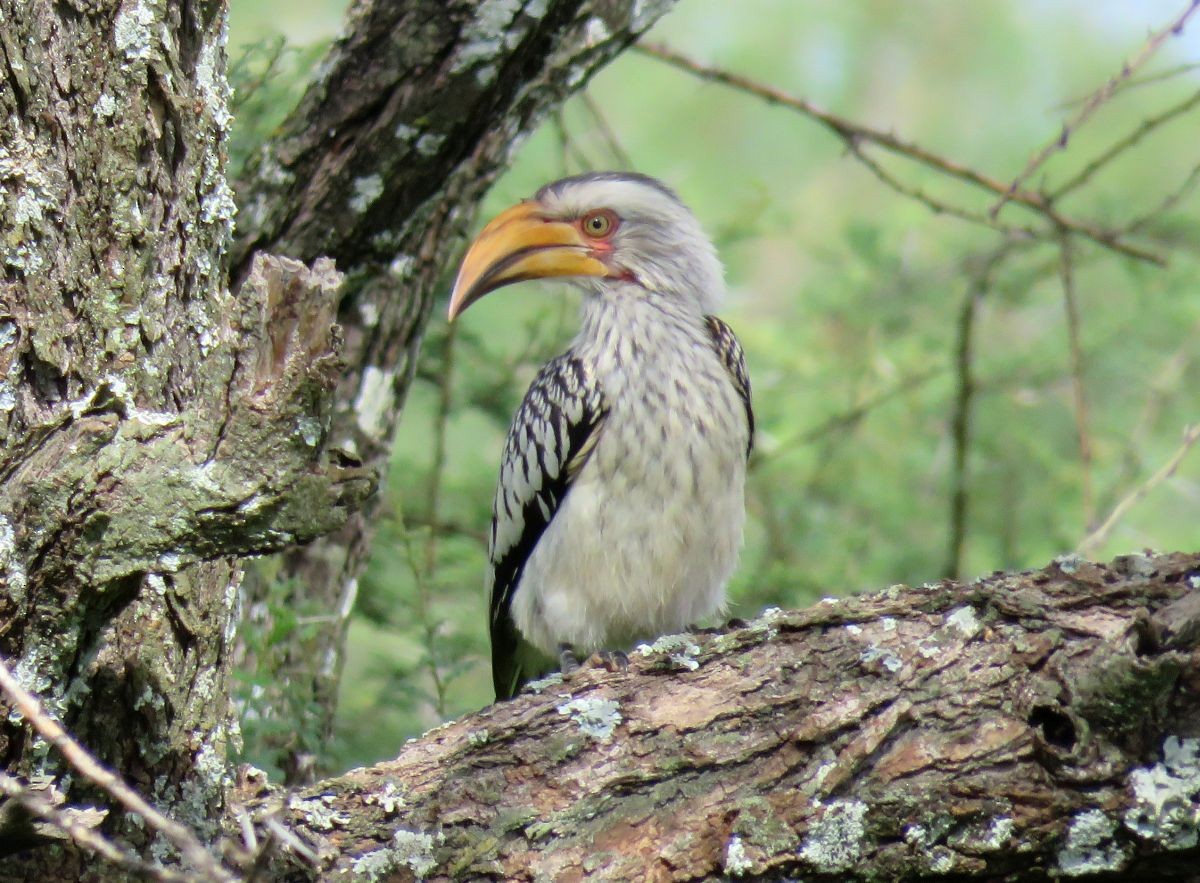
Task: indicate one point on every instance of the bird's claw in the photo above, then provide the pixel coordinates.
(612, 660)
(568, 663)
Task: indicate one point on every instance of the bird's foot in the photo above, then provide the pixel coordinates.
(568, 663)
(612, 660)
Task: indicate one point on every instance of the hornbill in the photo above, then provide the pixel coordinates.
(619, 509)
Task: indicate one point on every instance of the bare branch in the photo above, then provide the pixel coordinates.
(1098, 98)
(847, 418)
(935, 205)
(1092, 541)
(1139, 82)
(964, 399)
(1079, 394)
(1117, 148)
(614, 143)
(88, 767)
(968, 731)
(1168, 202)
(851, 133)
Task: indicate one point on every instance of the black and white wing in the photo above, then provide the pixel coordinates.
(730, 351)
(551, 437)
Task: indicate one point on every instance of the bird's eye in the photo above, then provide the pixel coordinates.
(598, 224)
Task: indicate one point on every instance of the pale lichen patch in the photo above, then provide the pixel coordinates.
(402, 266)
(105, 106)
(835, 841)
(411, 849)
(597, 718)
(882, 656)
(998, 832)
(390, 798)
(736, 860)
(210, 77)
(595, 32)
(964, 621)
(1167, 795)
(646, 12)
(1069, 563)
(31, 191)
(367, 189)
(11, 565)
(1090, 847)
(489, 31)
(941, 860)
(319, 813)
(374, 401)
(430, 143)
(309, 430)
(682, 650)
(131, 30)
(553, 679)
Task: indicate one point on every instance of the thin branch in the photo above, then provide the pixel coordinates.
(960, 429)
(1116, 149)
(935, 205)
(1138, 82)
(610, 136)
(1191, 435)
(1168, 202)
(88, 767)
(448, 528)
(1097, 99)
(86, 838)
(569, 151)
(851, 132)
(1164, 386)
(1079, 393)
(441, 418)
(847, 418)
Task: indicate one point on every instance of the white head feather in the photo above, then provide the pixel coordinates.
(658, 240)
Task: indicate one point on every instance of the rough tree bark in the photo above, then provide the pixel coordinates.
(1018, 727)
(133, 386)
(154, 426)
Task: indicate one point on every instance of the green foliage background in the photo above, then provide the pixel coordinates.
(847, 296)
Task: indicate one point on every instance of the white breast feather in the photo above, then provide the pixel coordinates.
(647, 537)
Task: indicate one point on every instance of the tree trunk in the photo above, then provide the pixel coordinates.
(154, 426)
(1018, 727)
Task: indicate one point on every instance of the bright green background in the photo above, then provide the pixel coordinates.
(842, 292)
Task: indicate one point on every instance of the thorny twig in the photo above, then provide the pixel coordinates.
(1079, 393)
(1138, 82)
(1093, 540)
(1120, 146)
(87, 766)
(935, 205)
(852, 134)
(1098, 98)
